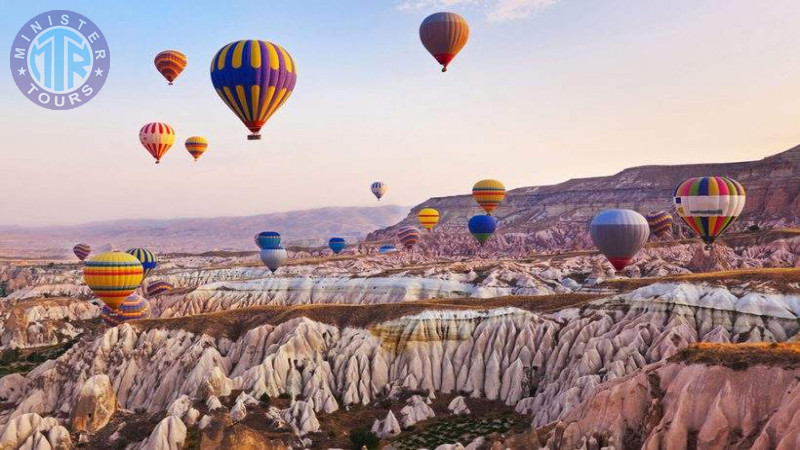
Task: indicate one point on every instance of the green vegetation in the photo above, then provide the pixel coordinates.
(265, 400)
(463, 429)
(21, 361)
(364, 437)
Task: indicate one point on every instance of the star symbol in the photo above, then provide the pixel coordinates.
(99, 72)
(21, 71)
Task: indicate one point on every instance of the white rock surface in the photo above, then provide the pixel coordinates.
(389, 426)
(458, 406)
(415, 411)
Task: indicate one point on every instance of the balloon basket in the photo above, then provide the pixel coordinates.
(253, 137)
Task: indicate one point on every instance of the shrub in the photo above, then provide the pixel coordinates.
(264, 399)
(285, 396)
(363, 437)
(754, 228)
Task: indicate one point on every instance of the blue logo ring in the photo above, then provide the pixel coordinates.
(60, 59)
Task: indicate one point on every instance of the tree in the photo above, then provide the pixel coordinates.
(364, 437)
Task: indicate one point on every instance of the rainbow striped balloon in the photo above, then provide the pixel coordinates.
(660, 223)
(428, 218)
(489, 194)
(113, 276)
(409, 236)
(157, 138)
(170, 63)
(254, 78)
(82, 251)
(134, 307)
(196, 145)
(146, 257)
(709, 205)
(159, 287)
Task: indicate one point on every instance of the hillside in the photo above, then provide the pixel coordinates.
(554, 217)
(307, 227)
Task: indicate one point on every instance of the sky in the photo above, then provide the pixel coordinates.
(544, 91)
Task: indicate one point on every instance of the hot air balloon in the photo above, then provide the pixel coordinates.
(157, 138)
(489, 194)
(273, 258)
(82, 251)
(482, 227)
(709, 205)
(386, 248)
(660, 223)
(268, 239)
(378, 188)
(134, 307)
(444, 34)
(409, 236)
(170, 63)
(196, 145)
(146, 257)
(159, 287)
(337, 244)
(113, 276)
(254, 78)
(619, 234)
(428, 218)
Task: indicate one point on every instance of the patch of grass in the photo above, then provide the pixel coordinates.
(741, 356)
(452, 429)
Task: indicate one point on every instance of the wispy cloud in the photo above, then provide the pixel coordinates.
(495, 10)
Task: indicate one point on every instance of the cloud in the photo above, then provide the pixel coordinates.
(495, 10)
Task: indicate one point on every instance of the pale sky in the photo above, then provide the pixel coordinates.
(544, 91)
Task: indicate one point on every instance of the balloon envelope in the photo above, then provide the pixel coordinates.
(378, 189)
(268, 239)
(337, 244)
(409, 236)
(170, 63)
(159, 287)
(157, 138)
(428, 217)
(660, 223)
(444, 34)
(482, 227)
(489, 194)
(146, 257)
(82, 251)
(273, 258)
(709, 205)
(113, 276)
(254, 78)
(196, 146)
(619, 234)
(134, 307)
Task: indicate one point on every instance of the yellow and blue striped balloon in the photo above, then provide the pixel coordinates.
(146, 257)
(254, 78)
(113, 276)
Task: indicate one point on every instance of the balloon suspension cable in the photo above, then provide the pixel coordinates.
(254, 137)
